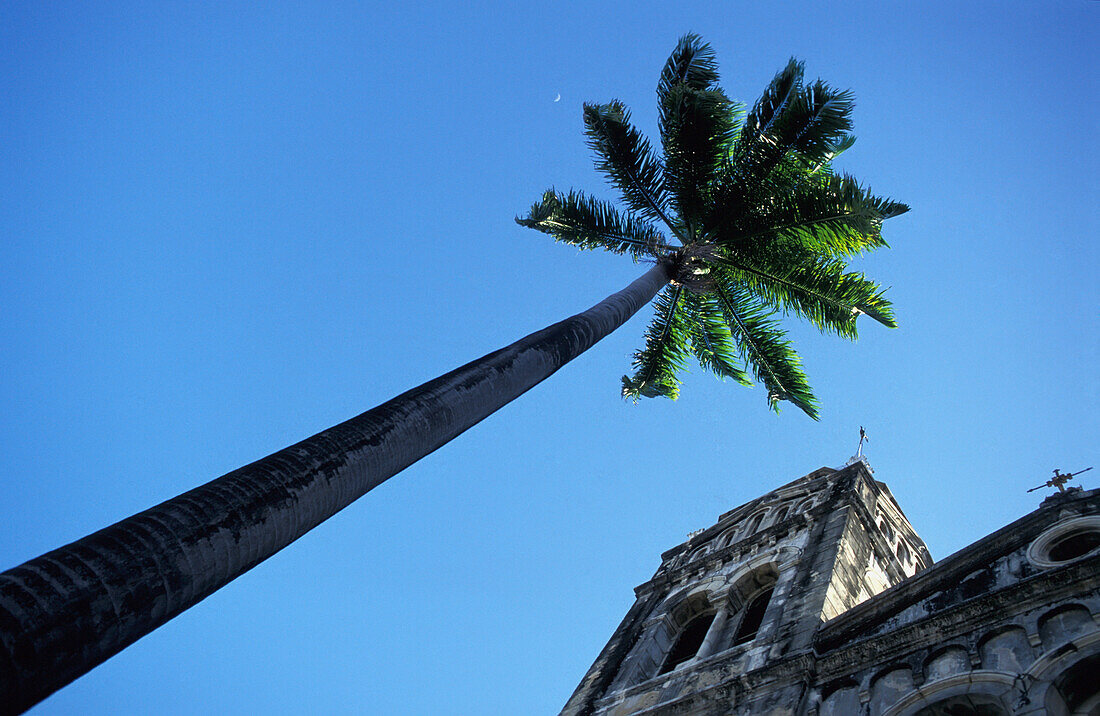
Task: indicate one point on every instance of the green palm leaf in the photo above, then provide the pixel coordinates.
(627, 159)
(829, 214)
(790, 124)
(696, 124)
(692, 63)
(711, 340)
(819, 120)
(765, 227)
(697, 128)
(816, 289)
(665, 352)
(773, 103)
(765, 347)
(589, 223)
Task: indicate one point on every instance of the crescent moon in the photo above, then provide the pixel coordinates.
(558, 98)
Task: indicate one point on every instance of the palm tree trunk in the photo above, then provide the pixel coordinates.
(70, 609)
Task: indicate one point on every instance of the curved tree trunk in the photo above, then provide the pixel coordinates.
(70, 609)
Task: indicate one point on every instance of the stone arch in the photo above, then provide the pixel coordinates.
(727, 537)
(663, 627)
(889, 686)
(754, 522)
(698, 552)
(693, 604)
(1064, 624)
(667, 625)
(974, 693)
(945, 662)
(689, 637)
(1006, 649)
(746, 604)
(965, 705)
(903, 553)
(781, 514)
(708, 590)
(1044, 675)
(751, 617)
(1076, 690)
(750, 582)
(841, 699)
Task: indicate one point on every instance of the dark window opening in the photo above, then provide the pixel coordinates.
(963, 706)
(903, 553)
(688, 643)
(754, 523)
(782, 515)
(1078, 684)
(754, 615)
(1074, 546)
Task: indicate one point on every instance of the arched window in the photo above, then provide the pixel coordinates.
(1077, 688)
(752, 617)
(965, 705)
(688, 642)
(698, 553)
(754, 523)
(903, 553)
(782, 515)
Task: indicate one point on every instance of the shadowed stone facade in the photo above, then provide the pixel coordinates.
(820, 599)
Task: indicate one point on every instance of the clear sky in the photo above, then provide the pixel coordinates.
(226, 228)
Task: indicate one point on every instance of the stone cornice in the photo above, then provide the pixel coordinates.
(846, 658)
(843, 657)
(791, 670)
(765, 538)
(947, 572)
(769, 535)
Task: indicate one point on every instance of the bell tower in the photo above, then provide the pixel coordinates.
(750, 592)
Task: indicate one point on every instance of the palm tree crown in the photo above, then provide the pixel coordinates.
(746, 211)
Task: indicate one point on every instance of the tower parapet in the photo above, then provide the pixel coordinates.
(747, 615)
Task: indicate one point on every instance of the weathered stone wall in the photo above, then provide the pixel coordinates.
(1008, 623)
(793, 540)
(993, 624)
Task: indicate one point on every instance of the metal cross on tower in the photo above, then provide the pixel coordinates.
(1059, 480)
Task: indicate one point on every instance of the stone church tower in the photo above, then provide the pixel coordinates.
(773, 610)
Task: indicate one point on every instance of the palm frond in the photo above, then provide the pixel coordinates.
(775, 99)
(589, 223)
(711, 340)
(806, 121)
(820, 118)
(764, 225)
(756, 149)
(628, 160)
(698, 123)
(765, 347)
(838, 147)
(697, 128)
(656, 365)
(814, 288)
(692, 63)
(829, 214)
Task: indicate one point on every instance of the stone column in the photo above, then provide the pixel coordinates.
(711, 639)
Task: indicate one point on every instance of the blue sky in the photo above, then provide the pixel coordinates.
(226, 228)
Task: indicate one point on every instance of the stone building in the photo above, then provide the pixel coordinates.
(820, 599)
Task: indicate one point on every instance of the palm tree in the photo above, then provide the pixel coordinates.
(748, 214)
(762, 226)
